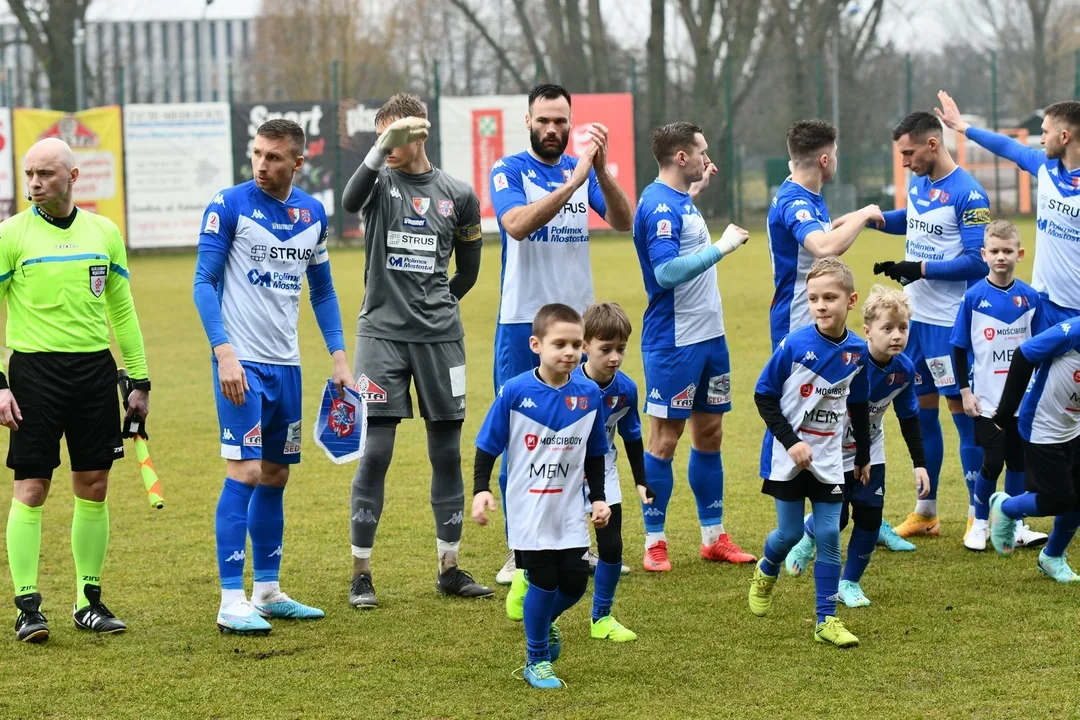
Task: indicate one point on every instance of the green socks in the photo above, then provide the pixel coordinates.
(89, 541)
(24, 546)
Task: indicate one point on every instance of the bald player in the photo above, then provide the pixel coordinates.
(64, 273)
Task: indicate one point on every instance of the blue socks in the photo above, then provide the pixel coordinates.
(706, 475)
(1014, 483)
(983, 490)
(789, 529)
(537, 621)
(1021, 506)
(230, 531)
(933, 445)
(660, 479)
(970, 453)
(1064, 528)
(604, 582)
(564, 602)
(266, 523)
(827, 565)
(860, 548)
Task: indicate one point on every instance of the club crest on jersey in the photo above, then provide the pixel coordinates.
(421, 205)
(305, 216)
(531, 441)
(342, 418)
(851, 358)
(616, 401)
(1076, 376)
(895, 378)
(294, 214)
(685, 399)
(1021, 301)
(98, 275)
(941, 195)
(370, 390)
(446, 208)
(806, 390)
(577, 402)
(567, 174)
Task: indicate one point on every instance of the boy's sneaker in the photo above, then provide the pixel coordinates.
(799, 557)
(30, 625)
(1002, 527)
(852, 595)
(888, 538)
(977, 535)
(917, 524)
(542, 676)
(362, 592)
(455, 581)
(833, 631)
(608, 628)
(656, 558)
(1057, 568)
(761, 588)
(515, 599)
(95, 616)
(594, 558)
(280, 605)
(725, 550)
(506, 575)
(241, 618)
(1026, 537)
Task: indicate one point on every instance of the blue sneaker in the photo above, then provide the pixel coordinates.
(1002, 527)
(888, 538)
(281, 605)
(554, 642)
(799, 557)
(852, 595)
(1057, 568)
(542, 676)
(241, 618)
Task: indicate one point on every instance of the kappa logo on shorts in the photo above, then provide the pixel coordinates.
(253, 437)
(226, 434)
(685, 399)
(292, 438)
(98, 275)
(370, 390)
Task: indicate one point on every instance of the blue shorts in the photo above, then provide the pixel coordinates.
(931, 351)
(513, 355)
(675, 377)
(267, 426)
(869, 495)
(1047, 314)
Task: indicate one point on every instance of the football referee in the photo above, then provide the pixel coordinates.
(64, 273)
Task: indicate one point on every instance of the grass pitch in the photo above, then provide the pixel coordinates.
(951, 633)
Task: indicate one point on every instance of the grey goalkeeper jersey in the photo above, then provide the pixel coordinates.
(411, 223)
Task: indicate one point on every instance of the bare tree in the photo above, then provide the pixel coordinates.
(50, 29)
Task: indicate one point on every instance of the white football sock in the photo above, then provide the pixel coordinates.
(653, 538)
(926, 508)
(228, 597)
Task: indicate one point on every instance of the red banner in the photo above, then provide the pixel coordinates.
(616, 112)
(487, 136)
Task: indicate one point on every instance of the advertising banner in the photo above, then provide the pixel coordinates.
(177, 157)
(96, 139)
(7, 175)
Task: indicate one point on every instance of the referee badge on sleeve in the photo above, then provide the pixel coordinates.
(98, 274)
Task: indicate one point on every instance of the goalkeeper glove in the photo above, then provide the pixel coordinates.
(905, 272)
(399, 133)
(733, 238)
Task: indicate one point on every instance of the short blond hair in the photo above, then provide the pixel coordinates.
(1001, 229)
(832, 265)
(884, 301)
(606, 321)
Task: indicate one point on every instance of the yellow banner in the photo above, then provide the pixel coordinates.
(96, 137)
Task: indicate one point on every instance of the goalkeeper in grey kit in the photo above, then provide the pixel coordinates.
(415, 217)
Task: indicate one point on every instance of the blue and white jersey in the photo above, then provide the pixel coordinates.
(943, 218)
(1050, 412)
(991, 324)
(667, 225)
(795, 213)
(893, 384)
(544, 435)
(269, 245)
(552, 264)
(815, 377)
(620, 414)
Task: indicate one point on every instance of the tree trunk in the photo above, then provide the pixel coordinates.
(539, 65)
(598, 49)
(53, 44)
(575, 47)
(1040, 11)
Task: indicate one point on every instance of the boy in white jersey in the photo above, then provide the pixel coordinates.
(549, 427)
(815, 374)
(891, 379)
(994, 318)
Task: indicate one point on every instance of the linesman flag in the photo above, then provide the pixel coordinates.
(341, 427)
(135, 427)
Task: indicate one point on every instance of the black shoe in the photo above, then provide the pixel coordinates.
(362, 592)
(31, 626)
(456, 581)
(95, 616)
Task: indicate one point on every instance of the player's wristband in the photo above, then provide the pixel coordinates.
(143, 385)
(376, 158)
(3, 381)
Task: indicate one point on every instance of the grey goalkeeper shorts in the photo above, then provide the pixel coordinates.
(383, 370)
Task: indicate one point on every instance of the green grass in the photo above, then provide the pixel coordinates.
(951, 634)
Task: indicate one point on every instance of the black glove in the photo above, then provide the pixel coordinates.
(1008, 423)
(904, 272)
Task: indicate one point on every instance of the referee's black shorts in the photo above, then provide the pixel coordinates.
(70, 395)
